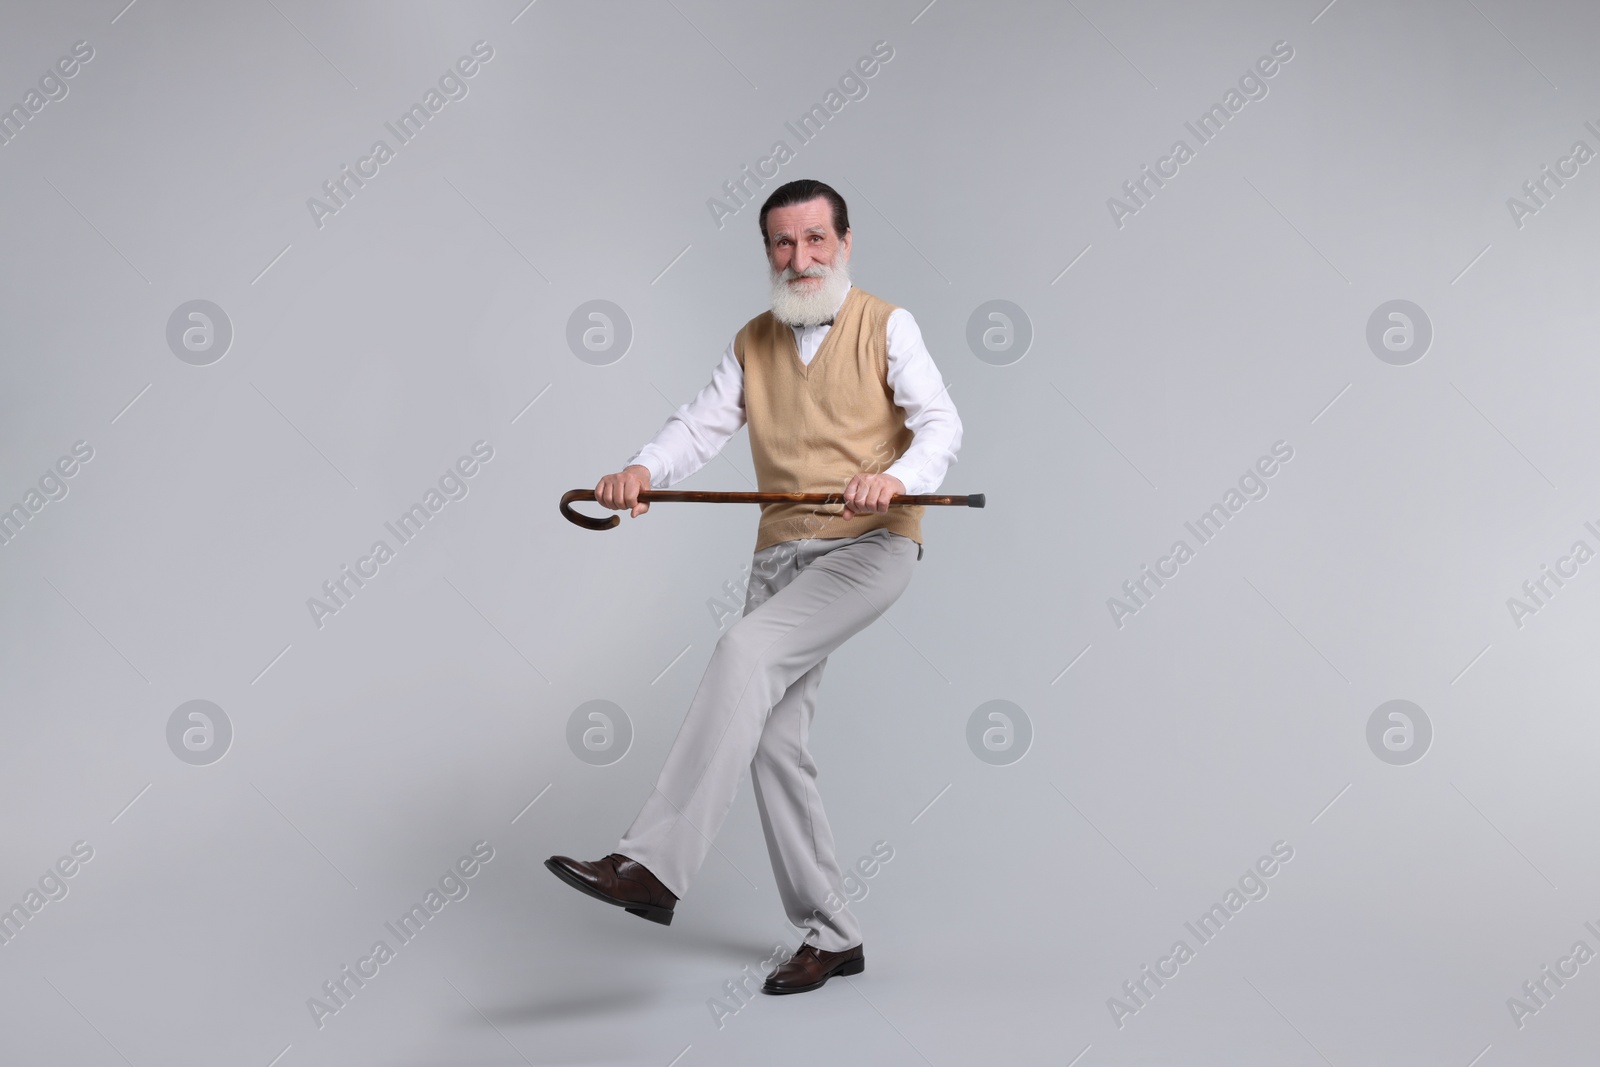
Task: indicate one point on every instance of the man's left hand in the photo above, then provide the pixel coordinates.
(870, 492)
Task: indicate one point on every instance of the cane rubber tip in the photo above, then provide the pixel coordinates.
(975, 500)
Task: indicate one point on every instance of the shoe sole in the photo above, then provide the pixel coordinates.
(846, 968)
(654, 913)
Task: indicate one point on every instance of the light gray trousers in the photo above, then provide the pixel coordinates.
(753, 709)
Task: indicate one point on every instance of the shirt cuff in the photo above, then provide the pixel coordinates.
(652, 463)
(911, 479)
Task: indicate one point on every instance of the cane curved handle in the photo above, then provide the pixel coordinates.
(588, 522)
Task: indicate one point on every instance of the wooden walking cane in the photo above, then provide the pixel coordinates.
(672, 497)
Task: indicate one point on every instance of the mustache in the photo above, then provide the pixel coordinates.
(816, 270)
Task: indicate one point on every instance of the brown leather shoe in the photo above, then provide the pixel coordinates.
(618, 880)
(809, 968)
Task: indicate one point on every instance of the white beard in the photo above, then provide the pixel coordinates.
(809, 307)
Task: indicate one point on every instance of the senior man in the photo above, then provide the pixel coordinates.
(841, 396)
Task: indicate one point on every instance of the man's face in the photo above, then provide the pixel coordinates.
(801, 235)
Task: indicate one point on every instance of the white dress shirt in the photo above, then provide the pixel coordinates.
(696, 431)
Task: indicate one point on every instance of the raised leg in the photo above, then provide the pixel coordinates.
(834, 596)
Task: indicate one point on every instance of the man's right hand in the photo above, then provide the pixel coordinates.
(621, 490)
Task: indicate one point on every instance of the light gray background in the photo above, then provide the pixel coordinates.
(431, 312)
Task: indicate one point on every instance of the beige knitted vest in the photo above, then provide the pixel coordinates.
(815, 426)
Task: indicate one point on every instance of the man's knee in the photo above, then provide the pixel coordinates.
(773, 755)
(740, 644)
